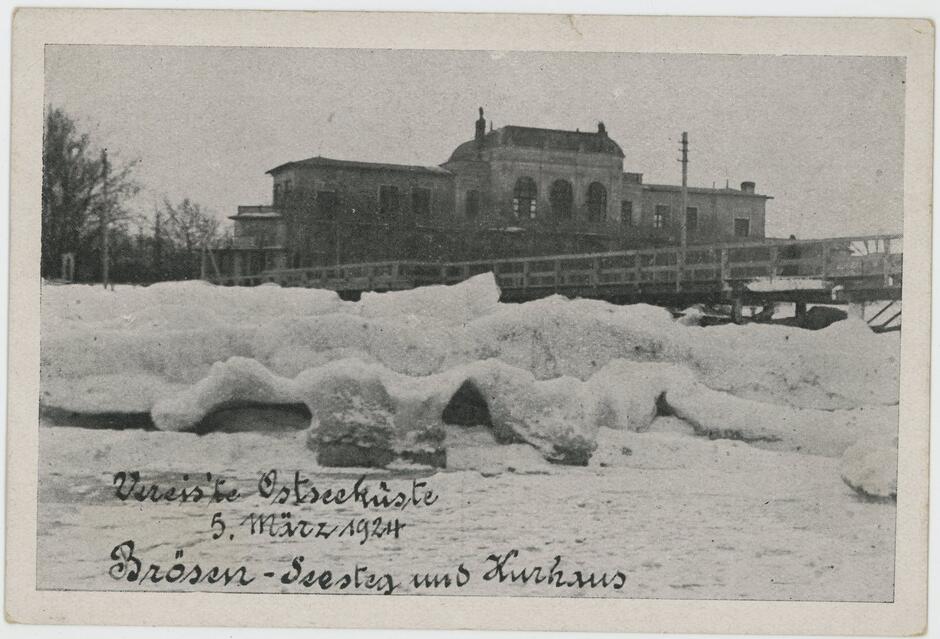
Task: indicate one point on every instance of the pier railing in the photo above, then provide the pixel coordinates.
(874, 259)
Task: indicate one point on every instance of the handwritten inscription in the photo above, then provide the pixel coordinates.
(284, 525)
(129, 487)
(300, 490)
(290, 497)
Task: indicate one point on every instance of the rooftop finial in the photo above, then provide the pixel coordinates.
(480, 129)
(601, 129)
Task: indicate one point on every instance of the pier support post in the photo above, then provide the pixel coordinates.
(737, 310)
(800, 313)
(766, 313)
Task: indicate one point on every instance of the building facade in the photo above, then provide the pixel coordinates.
(512, 191)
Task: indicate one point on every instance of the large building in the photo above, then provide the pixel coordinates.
(511, 191)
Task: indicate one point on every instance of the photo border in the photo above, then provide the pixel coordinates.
(34, 28)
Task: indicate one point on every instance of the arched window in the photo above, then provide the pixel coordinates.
(561, 199)
(597, 202)
(473, 204)
(524, 197)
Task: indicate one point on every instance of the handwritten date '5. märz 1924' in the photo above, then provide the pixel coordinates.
(285, 525)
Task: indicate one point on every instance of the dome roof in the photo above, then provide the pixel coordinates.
(532, 137)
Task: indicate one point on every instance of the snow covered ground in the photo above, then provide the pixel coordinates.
(754, 462)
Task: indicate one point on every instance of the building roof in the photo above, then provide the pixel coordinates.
(703, 190)
(532, 137)
(319, 160)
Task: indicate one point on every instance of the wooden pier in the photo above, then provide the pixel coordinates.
(843, 270)
(854, 271)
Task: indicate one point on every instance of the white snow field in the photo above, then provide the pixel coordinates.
(754, 462)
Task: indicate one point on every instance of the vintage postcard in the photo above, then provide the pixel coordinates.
(469, 321)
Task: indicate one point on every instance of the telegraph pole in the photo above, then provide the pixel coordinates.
(104, 218)
(336, 239)
(157, 247)
(684, 211)
(685, 191)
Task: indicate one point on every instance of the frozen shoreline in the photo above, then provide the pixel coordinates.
(740, 462)
(380, 377)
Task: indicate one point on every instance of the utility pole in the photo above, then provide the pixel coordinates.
(157, 248)
(104, 218)
(685, 191)
(684, 211)
(336, 239)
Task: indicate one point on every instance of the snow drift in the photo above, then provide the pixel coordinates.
(384, 377)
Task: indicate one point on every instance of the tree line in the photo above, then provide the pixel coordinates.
(85, 199)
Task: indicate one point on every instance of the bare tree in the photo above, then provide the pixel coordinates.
(188, 228)
(188, 225)
(73, 193)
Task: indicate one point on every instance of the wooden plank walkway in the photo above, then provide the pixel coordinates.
(833, 270)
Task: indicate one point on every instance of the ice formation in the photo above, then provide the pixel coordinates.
(384, 377)
(724, 416)
(870, 467)
(692, 316)
(367, 414)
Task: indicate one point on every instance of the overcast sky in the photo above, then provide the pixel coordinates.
(822, 134)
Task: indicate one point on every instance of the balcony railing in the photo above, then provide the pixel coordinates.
(247, 242)
(258, 209)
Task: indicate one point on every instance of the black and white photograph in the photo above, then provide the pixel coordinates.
(471, 322)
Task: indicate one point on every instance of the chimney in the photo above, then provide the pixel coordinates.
(747, 187)
(601, 129)
(481, 129)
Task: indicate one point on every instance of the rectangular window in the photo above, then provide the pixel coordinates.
(389, 202)
(626, 213)
(691, 219)
(277, 194)
(327, 204)
(421, 203)
(472, 204)
(661, 216)
(742, 227)
(255, 263)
